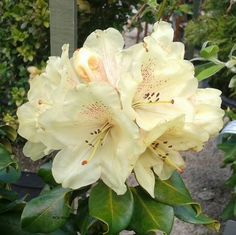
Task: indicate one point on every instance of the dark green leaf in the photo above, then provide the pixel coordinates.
(9, 175)
(229, 150)
(174, 192)
(188, 214)
(45, 172)
(5, 158)
(84, 221)
(10, 224)
(4, 207)
(231, 182)
(11, 133)
(47, 212)
(229, 210)
(115, 211)
(150, 215)
(7, 194)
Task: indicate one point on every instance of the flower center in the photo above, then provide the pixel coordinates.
(152, 98)
(164, 154)
(99, 137)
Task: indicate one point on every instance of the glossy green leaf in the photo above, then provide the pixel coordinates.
(5, 158)
(209, 52)
(84, 221)
(230, 151)
(10, 224)
(6, 144)
(231, 182)
(188, 214)
(207, 70)
(229, 210)
(9, 175)
(112, 209)
(19, 203)
(47, 212)
(45, 172)
(174, 192)
(10, 132)
(150, 216)
(8, 194)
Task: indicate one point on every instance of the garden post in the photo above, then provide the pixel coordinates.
(63, 25)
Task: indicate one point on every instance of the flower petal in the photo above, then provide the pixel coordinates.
(107, 44)
(144, 173)
(67, 169)
(35, 150)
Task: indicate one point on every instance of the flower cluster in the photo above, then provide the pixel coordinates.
(108, 111)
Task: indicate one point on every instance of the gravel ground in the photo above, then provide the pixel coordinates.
(205, 179)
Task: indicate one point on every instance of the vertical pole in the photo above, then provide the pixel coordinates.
(63, 25)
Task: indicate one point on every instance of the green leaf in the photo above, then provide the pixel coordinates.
(230, 151)
(47, 212)
(45, 172)
(207, 70)
(209, 52)
(188, 214)
(5, 158)
(84, 221)
(4, 207)
(150, 215)
(231, 182)
(232, 82)
(229, 210)
(186, 8)
(10, 224)
(11, 133)
(174, 192)
(7, 194)
(115, 211)
(9, 175)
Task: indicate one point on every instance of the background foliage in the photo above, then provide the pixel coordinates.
(24, 40)
(217, 24)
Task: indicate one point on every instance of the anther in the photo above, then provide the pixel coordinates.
(84, 162)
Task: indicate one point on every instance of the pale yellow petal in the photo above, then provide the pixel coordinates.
(35, 151)
(107, 44)
(68, 169)
(144, 173)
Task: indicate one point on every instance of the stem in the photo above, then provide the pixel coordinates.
(137, 15)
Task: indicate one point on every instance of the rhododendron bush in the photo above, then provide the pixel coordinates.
(109, 114)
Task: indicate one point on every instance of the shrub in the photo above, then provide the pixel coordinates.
(24, 40)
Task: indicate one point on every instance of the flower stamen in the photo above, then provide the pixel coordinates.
(98, 140)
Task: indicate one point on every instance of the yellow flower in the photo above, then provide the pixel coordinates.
(46, 90)
(98, 59)
(167, 80)
(162, 154)
(101, 142)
